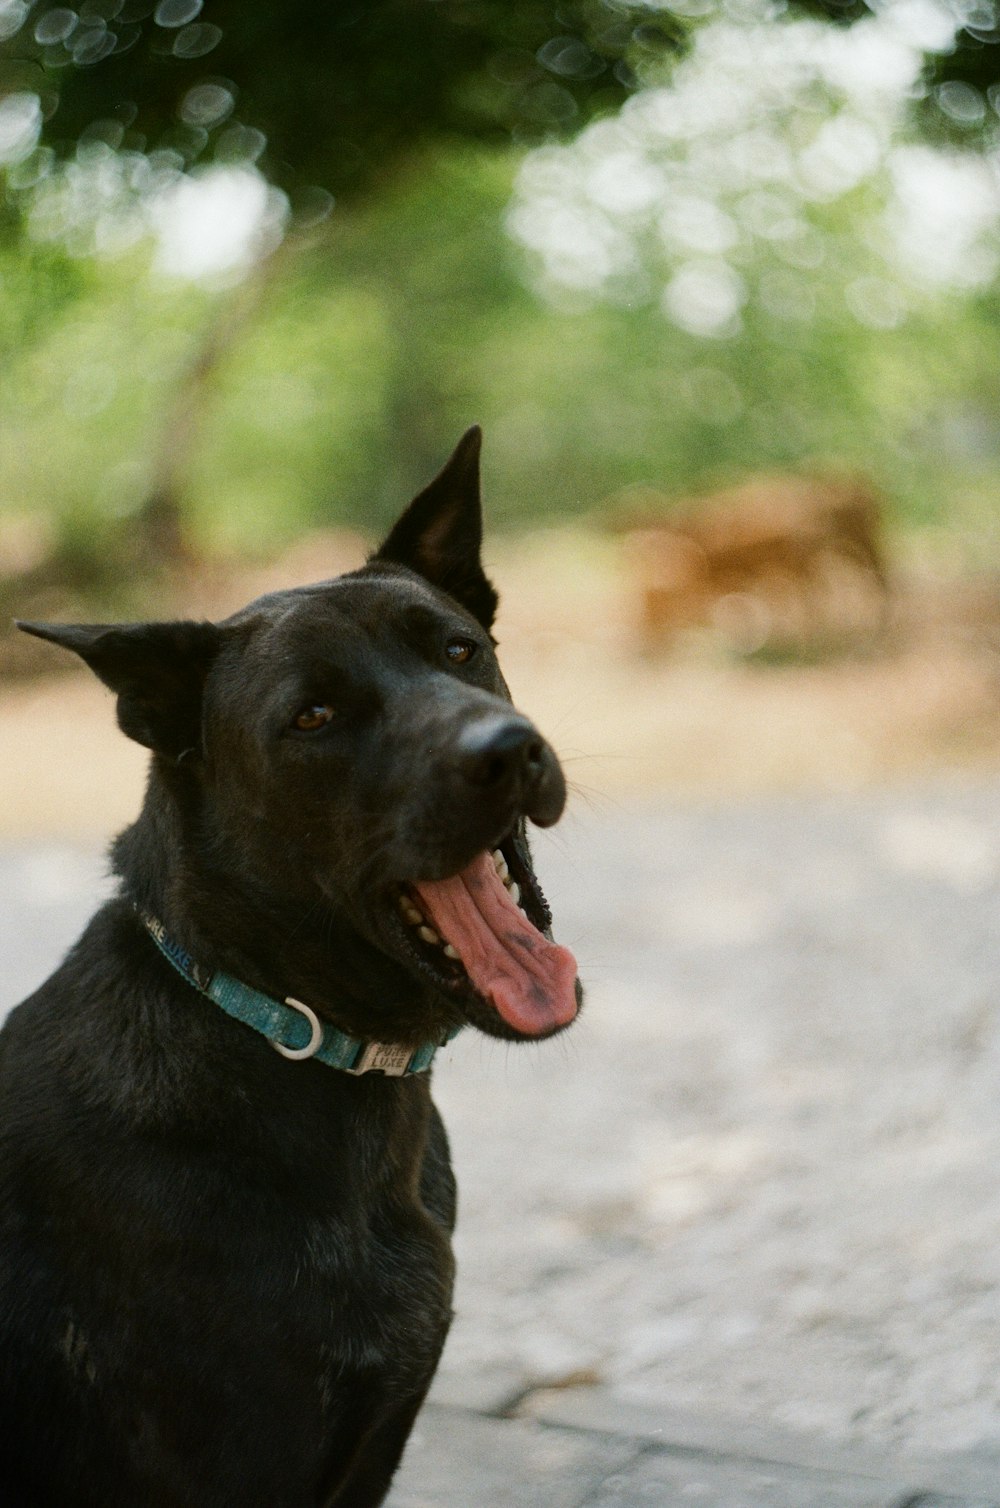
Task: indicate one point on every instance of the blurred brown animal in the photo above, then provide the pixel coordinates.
(776, 560)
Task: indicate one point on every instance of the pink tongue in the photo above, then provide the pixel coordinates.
(530, 980)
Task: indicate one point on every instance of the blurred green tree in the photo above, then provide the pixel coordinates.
(363, 345)
(323, 100)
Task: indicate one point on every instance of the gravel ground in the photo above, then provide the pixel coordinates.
(762, 1175)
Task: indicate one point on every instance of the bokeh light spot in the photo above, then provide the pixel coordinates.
(696, 224)
(172, 13)
(311, 206)
(962, 103)
(240, 144)
(110, 132)
(875, 302)
(206, 105)
(55, 26)
(128, 36)
(13, 14)
(20, 123)
(217, 222)
(570, 59)
(513, 66)
(705, 298)
(197, 41)
(89, 390)
(92, 43)
(549, 104)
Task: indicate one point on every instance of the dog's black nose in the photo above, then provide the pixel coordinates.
(505, 755)
(495, 749)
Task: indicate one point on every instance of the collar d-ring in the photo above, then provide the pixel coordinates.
(275, 1020)
(312, 1046)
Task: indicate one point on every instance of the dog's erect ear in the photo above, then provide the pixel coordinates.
(441, 533)
(157, 670)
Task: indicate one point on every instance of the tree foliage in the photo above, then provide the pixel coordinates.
(329, 94)
(960, 100)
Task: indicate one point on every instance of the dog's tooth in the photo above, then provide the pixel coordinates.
(514, 891)
(413, 916)
(500, 865)
(428, 934)
(449, 951)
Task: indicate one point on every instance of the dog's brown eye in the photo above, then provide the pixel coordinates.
(310, 719)
(459, 650)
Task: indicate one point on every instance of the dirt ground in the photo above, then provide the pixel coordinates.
(693, 721)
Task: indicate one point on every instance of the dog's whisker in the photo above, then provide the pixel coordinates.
(596, 799)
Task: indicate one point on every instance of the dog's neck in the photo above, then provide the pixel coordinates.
(290, 1026)
(296, 946)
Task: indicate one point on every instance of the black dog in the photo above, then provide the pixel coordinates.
(225, 1277)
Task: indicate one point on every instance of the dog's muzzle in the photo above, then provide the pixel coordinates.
(505, 755)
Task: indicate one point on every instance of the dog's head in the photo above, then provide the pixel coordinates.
(340, 786)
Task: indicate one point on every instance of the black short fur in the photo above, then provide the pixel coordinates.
(225, 1278)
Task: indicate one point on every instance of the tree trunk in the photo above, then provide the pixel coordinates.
(159, 525)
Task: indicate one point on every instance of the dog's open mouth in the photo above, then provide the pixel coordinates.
(487, 927)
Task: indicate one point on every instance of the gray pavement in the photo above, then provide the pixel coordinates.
(586, 1450)
(735, 1239)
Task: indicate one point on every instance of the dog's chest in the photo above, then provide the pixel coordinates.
(386, 1285)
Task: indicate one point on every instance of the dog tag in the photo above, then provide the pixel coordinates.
(383, 1057)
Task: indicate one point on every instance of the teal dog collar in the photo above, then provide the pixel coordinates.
(293, 1029)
